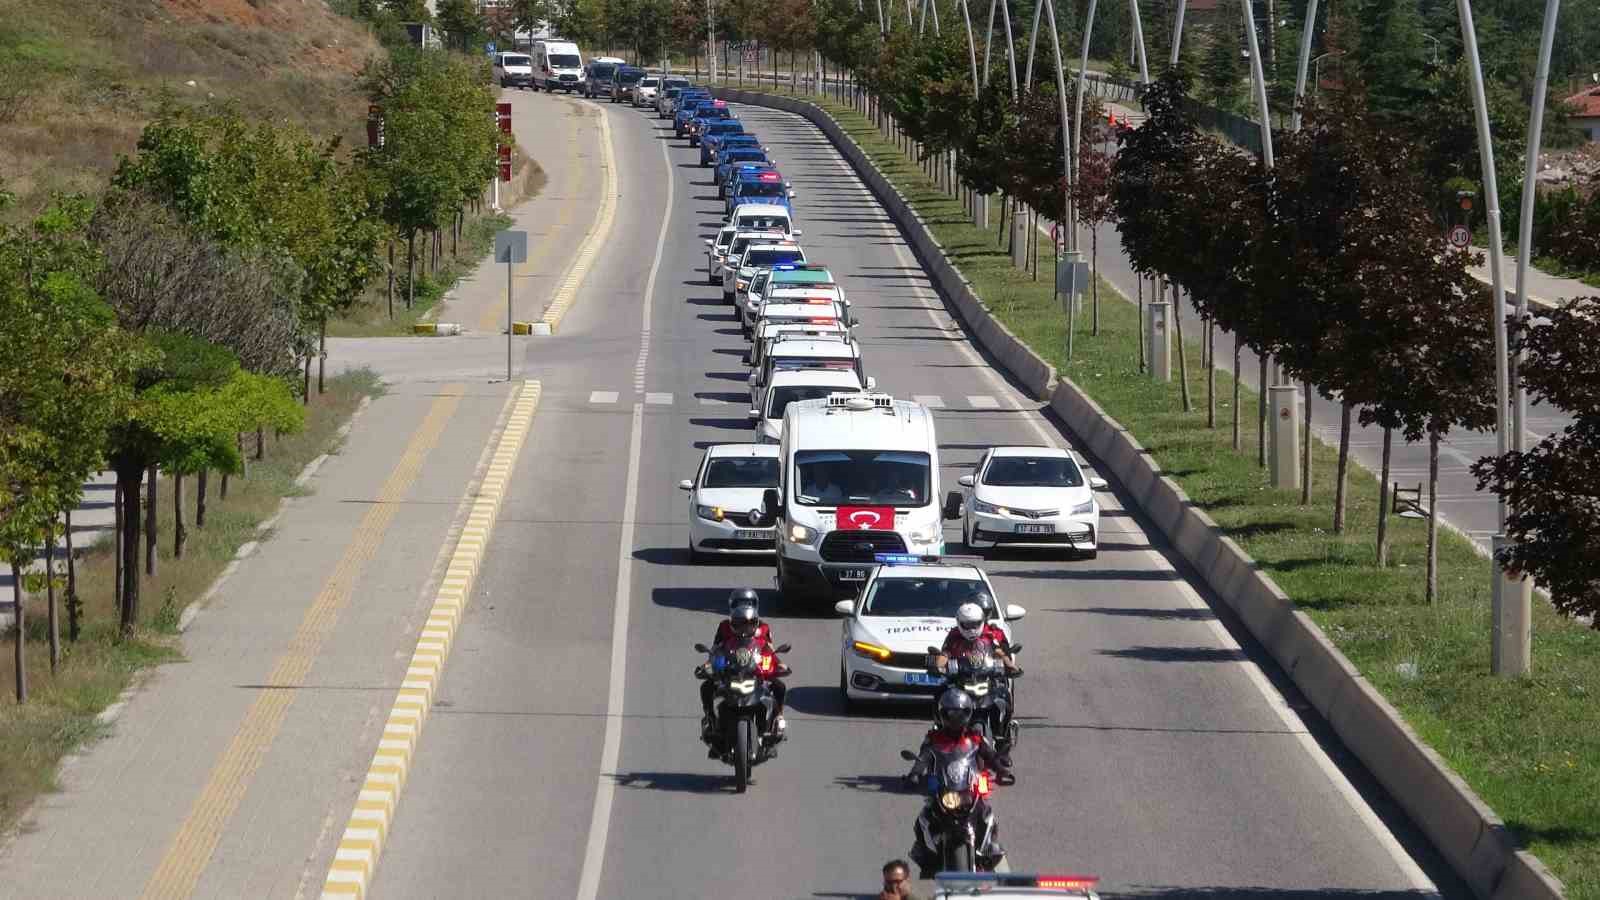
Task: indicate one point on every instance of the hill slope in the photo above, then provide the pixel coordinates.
(79, 80)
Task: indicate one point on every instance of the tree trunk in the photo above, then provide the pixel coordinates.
(1433, 517)
(1138, 280)
(1211, 374)
(1094, 280)
(22, 668)
(200, 496)
(322, 353)
(1341, 476)
(455, 234)
(1000, 235)
(1238, 443)
(180, 535)
(150, 551)
(50, 595)
(305, 383)
(1305, 449)
(1383, 500)
(1261, 415)
(261, 443)
(1033, 243)
(389, 292)
(117, 543)
(1183, 355)
(129, 478)
(74, 607)
(411, 269)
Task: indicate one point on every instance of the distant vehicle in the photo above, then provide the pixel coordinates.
(1031, 497)
(757, 255)
(557, 66)
(598, 76)
(668, 87)
(726, 487)
(752, 216)
(711, 137)
(513, 70)
(796, 386)
(758, 187)
(735, 159)
(623, 84)
(644, 93)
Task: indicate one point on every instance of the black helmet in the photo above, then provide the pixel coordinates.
(954, 711)
(744, 595)
(744, 618)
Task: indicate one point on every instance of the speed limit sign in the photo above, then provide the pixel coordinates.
(1460, 237)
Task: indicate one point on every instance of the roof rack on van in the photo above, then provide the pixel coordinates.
(859, 401)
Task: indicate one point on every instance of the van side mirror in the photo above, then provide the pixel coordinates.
(1097, 484)
(795, 232)
(965, 481)
(907, 755)
(754, 379)
(769, 503)
(686, 485)
(845, 607)
(952, 505)
(702, 648)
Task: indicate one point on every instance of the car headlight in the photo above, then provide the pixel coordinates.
(1084, 508)
(801, 534)
(989, 508)
(714, 513)
(928, 534)
(743, 285)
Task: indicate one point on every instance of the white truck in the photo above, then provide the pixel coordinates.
(557, 66)
(859, 478)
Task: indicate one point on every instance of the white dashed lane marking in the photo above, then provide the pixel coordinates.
(929, 400)
(983, 401)
(602, 396)
(658, 399)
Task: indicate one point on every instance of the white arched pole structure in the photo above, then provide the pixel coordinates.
(1138, 40)
(1177, 31)
(1259, 78)
(1307, 31)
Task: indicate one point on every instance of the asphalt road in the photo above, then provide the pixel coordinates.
(563, 759)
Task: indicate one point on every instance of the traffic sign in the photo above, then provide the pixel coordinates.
(1460, 237)
(511, 246)
(489, 47)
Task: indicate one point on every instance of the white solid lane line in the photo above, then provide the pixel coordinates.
(602, 396)
(594, 853)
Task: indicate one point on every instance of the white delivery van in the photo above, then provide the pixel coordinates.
(859, 478)
(513, 69)
(557, 66)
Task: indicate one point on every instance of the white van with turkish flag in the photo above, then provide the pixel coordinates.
(859, 479)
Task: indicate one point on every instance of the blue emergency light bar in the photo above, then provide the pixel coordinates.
(903, 559)
(982, 882)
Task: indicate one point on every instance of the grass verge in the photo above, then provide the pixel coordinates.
(62, 708)
(1530, 748)
(372, 317)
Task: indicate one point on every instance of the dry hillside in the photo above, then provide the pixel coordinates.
(79, 78)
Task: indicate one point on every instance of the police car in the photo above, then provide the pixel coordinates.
(722, 495)
(1013, 886)
(908, 604)
(762, 186)
(737, 273)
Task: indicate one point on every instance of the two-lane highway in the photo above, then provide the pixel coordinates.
(563, 757)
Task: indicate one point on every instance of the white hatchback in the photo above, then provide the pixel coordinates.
(1031, 497)
(908, 604)
(725, 500)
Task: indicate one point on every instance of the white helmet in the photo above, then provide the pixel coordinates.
(970, 619)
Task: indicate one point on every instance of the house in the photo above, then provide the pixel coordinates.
(1583, 111)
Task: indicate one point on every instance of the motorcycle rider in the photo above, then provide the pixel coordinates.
(743, 624)
(974, 632)
(953, 730)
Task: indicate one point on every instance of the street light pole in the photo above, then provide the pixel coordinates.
(1436, 44)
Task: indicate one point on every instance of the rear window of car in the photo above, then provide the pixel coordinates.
(764, 222)
(648, 82)
(769, 258)
(742, 472)
(629, 76)
(604, 70)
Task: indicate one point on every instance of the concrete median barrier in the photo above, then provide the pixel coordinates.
(1470, 837)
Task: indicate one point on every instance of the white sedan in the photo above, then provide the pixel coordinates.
(725, 500)
(1031, 497)
(906, 606)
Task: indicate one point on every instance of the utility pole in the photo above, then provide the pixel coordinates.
(711, 43)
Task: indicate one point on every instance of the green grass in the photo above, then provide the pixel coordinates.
(1530, 748)
(61, 711)
(371, 316)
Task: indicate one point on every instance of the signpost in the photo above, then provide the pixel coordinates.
(1460, 237)
(502, 117)
(510, 247)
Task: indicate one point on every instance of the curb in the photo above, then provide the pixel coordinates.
(355, 858)
(567, 294)
(436, 328)
(1471, 838)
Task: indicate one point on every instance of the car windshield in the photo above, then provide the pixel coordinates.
(564, 60)
(769, 258)
(724, 126)
(630, 77)
(760, 189)
(739, 156)
(648, 82)
(860, 477)
(516, 61)
(742, 472)
(724, 238)
(675, 83)
(767, 222)
(908, 597)
(1033, 471)
(787, 394)
(604, 70)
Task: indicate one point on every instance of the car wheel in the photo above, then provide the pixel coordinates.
(844, 691)
(1091, 554)
(727, 298)
(722, 192)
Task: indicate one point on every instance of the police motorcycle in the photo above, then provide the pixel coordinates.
(744, 704)
(955, 831)
(985, 679)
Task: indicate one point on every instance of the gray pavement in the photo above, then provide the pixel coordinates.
(1158, 752)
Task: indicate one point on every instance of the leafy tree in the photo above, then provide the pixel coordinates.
(1554, 523)
(1222, 68)
(463, 23)
(1091, 197)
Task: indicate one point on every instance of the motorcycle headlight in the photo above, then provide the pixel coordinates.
(801, 534)
(714, 513)
(744, 687)
(1083, 509)
(989, 508)
(978, 688)
(950, 800)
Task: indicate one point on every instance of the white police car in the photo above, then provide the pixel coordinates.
(725, 490)
(908, 604)
(1013, 886)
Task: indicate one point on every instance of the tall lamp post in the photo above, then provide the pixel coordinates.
(1436, 45)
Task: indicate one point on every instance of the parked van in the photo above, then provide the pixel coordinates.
(513, 69)
(557, 66)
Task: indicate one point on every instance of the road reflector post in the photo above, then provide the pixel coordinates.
(436, 328)
(1511, 627)
(1159, 338)
(1285, 459)
(522, 328)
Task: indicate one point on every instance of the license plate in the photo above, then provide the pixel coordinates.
(924, 679)
(852, 574)
(1036, 529)
(752, 535)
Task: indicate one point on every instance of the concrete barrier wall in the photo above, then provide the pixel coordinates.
(1470, 837)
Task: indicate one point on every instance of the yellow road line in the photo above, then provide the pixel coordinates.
(568, 292)
(494, 314)
(356, 858)
(190, 851)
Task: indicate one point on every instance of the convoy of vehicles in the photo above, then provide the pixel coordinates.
(840, 487)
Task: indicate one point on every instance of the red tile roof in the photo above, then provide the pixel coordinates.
(1585, 103)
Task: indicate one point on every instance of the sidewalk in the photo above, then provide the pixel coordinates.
(1543, 289)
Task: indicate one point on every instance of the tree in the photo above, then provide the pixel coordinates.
(1554, 525)
(1091, 198)
(1222, 68)
(463, 23)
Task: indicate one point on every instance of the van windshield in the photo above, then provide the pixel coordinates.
(515, 61)
(862, 477)
(563, 60)
(770, 258)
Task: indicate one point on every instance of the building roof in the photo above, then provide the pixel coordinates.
(1585, 103)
